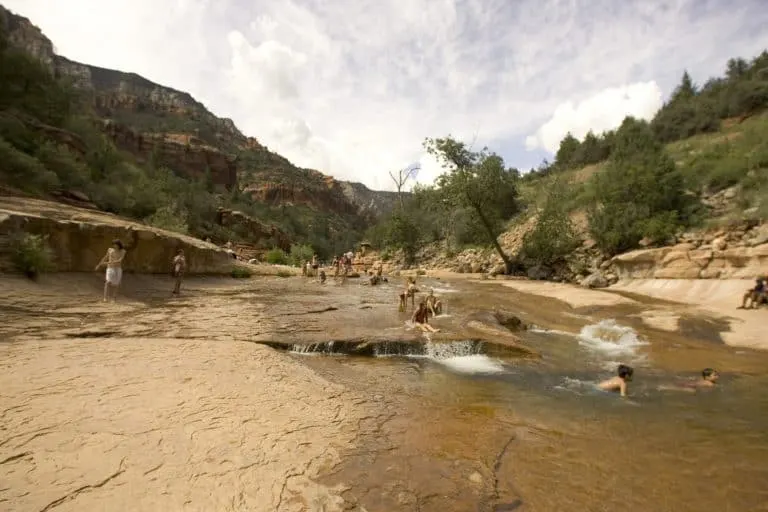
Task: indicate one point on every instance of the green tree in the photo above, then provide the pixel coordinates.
(553, 237)
(479, 182)
(639, 192)
(566, 153)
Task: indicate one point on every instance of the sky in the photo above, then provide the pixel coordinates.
(352, 87)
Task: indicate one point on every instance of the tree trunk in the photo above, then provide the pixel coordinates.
(495, 240)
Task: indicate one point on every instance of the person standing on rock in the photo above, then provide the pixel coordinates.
(179, 264)
(114, 262)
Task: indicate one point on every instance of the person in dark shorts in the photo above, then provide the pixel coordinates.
(179, 268)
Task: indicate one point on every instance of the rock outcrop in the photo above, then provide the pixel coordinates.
(253, 229)
(79, 238)
(740, 252)
(186, 155)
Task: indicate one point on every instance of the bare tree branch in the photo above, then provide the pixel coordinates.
(401, 178)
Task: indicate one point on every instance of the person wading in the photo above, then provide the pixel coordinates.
(179, 268)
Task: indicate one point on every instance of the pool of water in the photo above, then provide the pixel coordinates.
(469, 431)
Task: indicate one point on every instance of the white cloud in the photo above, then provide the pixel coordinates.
(352, 87)
(599, 113)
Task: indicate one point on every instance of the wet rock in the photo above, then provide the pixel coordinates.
(509, 320)
(476, 478)
(595, 280)
(719, 244)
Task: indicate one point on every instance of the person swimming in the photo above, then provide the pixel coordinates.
(709, 377)
(618, 383)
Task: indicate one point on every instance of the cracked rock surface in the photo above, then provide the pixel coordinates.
(140, 406)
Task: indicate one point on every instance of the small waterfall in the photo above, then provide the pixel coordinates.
(453, 349)
(313, 348)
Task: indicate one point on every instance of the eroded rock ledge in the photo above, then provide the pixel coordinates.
(79, 238)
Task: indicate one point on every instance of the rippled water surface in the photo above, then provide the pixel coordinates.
(469, 431)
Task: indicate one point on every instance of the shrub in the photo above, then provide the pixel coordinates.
(170, 218)
(24, 171)
(276, 256)
(300, 253)
(553, 237)
(31, 254)
(241, 273)
(283, 273)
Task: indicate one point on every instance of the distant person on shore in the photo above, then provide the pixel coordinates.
(420, 317)
(114, 275)
(179, 264)
(434, 304)
(323, 277)
(315, 265)
(708, 379)
(304, 267)
(618, 383)
(755, 296)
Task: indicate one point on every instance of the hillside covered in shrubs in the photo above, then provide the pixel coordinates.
(639, 184)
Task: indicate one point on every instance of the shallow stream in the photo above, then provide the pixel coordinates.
(465, 428)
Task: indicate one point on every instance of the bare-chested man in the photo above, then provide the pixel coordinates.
(618, 383)
(179, 267)
(420, 317)
(114, 262)
(434, 304)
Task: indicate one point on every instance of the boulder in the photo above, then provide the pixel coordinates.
(595, 280)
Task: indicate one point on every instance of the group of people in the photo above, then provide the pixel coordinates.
(429, 306)
(624, 375)
(755, 296)
(113, 261)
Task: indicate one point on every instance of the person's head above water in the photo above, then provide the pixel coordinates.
(710, 374)
(117, 243)
(625, 372)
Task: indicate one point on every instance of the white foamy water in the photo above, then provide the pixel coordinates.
(462, 356)
(477, 363)
(541, 330)
(611, 339)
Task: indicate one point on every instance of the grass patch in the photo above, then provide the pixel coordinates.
(283, 273)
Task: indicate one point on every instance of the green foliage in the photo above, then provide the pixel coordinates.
(300, 254)
(169, 217)
(276, 257)
(640, 193)
(403, 234)
(25, 172)
(31, 254)
(241, 273)
(554, 237)
(283, 273)
(478, 182)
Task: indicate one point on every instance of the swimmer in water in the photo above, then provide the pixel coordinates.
(708, 379)
(618, 383)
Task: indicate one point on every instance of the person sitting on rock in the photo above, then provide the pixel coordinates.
(322, 277)
(618, 383)
(114, 262)
(179, 264)
(434, 304)
(754, 296)
(420, 317)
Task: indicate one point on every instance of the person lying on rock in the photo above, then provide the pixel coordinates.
(114, 262)
(179, 264)
(421, 316)
(618, 383)
(434, 304)
(755, 296)
(708, 379)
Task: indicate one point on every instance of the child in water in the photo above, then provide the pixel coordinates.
(618, 383)
(708, 379)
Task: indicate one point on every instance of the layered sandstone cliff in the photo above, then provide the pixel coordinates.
(144, 117)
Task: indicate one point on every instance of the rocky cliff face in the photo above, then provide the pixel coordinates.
(144, 117)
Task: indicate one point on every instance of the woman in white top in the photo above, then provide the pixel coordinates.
(114, 262)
